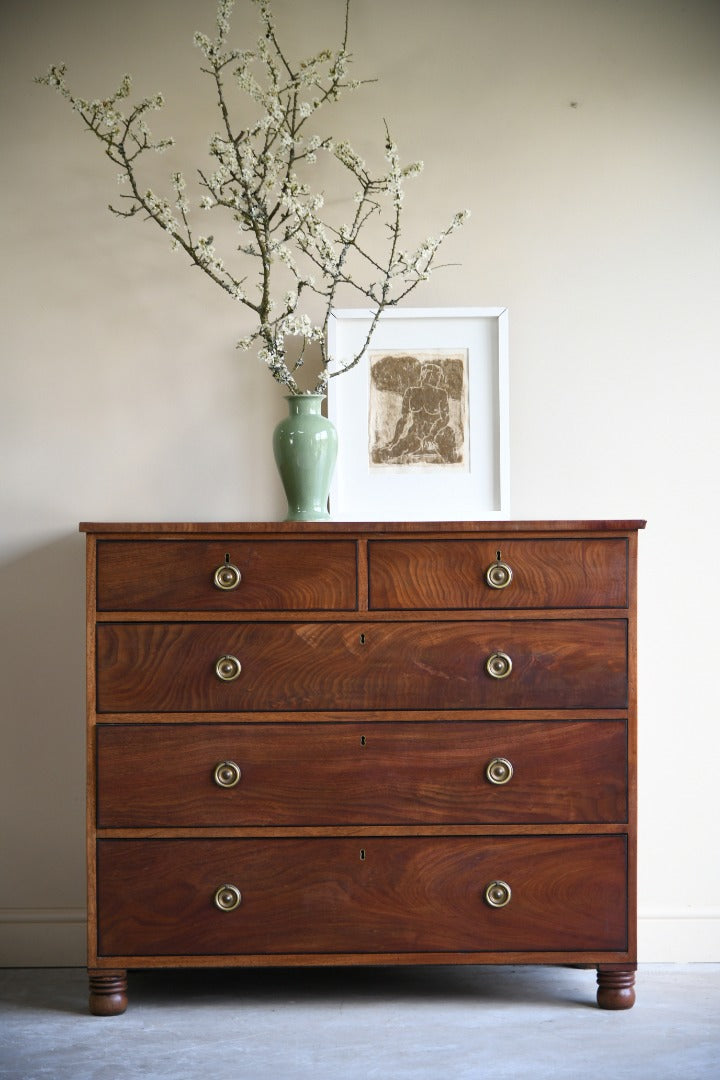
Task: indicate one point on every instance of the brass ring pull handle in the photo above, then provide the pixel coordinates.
(227, 668)
(499, 575)
(227, 774)
(227, 576)
(499, 665)
(499, 770)
(498, 894)
(227, 897)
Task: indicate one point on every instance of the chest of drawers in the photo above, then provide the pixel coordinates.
(361, 744)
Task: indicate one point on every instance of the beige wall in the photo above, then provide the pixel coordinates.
(597, 225)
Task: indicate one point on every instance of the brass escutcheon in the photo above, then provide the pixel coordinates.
(227, 668)
(499, 770)
(498, 894)
(227, 897)
(499, 665)
(227, 774)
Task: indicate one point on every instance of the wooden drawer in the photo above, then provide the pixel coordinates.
(450, 574)
(355, 895)
(300, 575)
(360, 773)
(170, 667)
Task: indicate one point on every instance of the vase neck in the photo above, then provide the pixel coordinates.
(304, 404)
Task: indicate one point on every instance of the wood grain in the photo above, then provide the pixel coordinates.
(147, 667)
(340, 895)
(360, 774)
(299, 575)
(443, 574)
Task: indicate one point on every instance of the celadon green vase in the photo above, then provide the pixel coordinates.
(305, 447)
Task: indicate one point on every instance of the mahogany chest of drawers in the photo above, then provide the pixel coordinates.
(361, 744)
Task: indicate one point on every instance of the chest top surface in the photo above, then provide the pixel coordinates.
(327, 529)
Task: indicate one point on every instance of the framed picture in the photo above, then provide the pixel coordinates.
(422, 419)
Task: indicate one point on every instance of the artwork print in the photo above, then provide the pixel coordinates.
(418, 409)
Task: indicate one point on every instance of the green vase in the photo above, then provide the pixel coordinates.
(305, 447)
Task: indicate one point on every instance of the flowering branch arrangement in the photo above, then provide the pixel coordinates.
(290, 255)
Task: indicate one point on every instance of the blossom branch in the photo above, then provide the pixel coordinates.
(261, 177)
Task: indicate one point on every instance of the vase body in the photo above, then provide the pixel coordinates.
(305, 448)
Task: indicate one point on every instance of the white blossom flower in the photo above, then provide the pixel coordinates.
(459, 219)
(223, 17)
(203, 42)
(180, 187)
(345, 153)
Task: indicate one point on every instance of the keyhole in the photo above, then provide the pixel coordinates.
(362, 854)
(498, 555)
(362, 639)
(363, 740)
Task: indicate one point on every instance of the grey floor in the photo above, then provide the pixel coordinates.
(444, 1023)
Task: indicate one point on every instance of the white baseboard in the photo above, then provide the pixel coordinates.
(55, 937)
(685, 936)
(42, 937)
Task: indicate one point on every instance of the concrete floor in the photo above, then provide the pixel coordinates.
(462, 1023)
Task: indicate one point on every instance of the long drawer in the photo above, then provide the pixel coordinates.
(359, 773)
(160, 667)
(388, 894)
(263, 575)
(453, 574)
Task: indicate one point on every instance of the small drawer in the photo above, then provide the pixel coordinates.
(467, 574)
(306, 666)
(361, 895)
(361, 773)
(226, 575)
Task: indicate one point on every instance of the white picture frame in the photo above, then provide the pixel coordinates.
(473, 488)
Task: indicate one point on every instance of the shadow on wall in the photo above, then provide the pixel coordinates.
(42, 709)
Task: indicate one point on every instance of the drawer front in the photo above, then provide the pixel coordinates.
(361, 773)
(169, 667)
(451, 574)
(282, 575)
(379, 894)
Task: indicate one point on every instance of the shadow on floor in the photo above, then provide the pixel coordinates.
(65, 989)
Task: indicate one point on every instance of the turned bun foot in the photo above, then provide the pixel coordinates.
(108, 992)
(616, 989)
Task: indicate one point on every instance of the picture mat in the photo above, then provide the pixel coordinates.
(362, 493)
